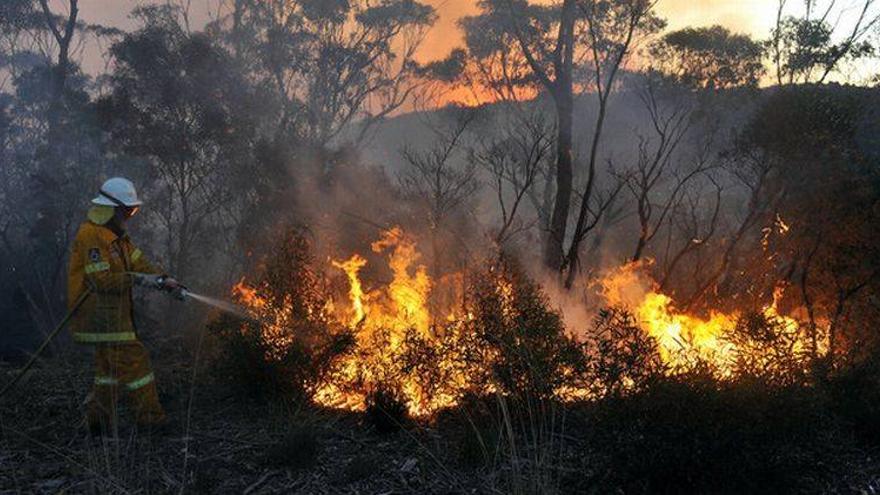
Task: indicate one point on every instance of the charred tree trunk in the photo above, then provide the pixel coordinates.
(553, 250)
(563, 96)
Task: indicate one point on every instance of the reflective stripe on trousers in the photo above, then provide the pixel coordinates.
(100, 337)
(133, 385)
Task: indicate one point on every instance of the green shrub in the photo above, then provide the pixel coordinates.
(521, 341)
(472, 432)
(692, 435)
(855, 396)
(771, 350)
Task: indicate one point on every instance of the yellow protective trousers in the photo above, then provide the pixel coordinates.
(123, 367)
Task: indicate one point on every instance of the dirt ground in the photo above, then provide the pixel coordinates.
(220, 442)
(216, 444)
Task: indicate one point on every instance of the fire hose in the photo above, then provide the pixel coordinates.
(76, 305)
(183, 293)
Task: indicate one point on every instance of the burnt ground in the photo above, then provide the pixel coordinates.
(230, 445)
(222, 443)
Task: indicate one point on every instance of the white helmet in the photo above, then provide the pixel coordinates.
(117, 192)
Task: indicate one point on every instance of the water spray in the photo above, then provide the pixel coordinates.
(225, 306)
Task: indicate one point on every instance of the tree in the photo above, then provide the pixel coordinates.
(614, 27)
(63, 37)
(437, 179)
(819, 234)
(179, 104)
(804, 49)
(520, 48)
(543, 56)
(50, 154)
(336, 67)
(654, 171)
(515, 157)
(708, 58)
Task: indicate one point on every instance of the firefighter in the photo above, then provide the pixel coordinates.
(105, 261)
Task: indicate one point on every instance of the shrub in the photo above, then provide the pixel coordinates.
(691, 434)
(293, 343)
(511, 343)
(855, 396)
(472, 431)
(522, 342)
(623, 358)
(770, 349)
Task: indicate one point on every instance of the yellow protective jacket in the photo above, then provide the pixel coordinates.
(103, 261)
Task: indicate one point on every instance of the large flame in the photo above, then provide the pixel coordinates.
(683, 337)
(383, 316)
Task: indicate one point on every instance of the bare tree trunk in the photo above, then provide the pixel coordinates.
(61, 70)
(563, 96)
(553, 251)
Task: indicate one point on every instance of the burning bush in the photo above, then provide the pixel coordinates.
(623, 358)
(770, 349)
(293, 343)
(522, 342)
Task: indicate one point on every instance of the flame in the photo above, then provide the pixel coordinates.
(408, 292)
(381, 318)
(275, 319)
(682, 337)
(352, 268)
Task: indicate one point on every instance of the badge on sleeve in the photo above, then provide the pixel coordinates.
(94, 255)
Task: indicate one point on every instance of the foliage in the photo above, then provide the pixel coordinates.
(178, 102)
(293, 344)
(807, 48)
(691, 435)
(473, 430)
(523, 341)
(623, 359)
(329, 64)
(771, 350)
(855, 397)
(709, 58)
(813, 174)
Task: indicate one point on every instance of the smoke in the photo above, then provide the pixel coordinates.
(349, 197)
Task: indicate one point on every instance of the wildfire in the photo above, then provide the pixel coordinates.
(352, 267)
(682, 337)
(381, 318)
(275, 319)
(385, 318)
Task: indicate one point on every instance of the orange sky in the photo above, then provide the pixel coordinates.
(751, 16)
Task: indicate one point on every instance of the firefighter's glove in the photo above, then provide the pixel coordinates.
(170, 284)
(179, 293)
(174, 288)
(150, 281)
